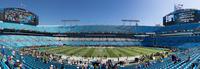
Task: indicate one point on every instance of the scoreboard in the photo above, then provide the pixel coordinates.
(18, 15)
(182, 16)
(185, 16)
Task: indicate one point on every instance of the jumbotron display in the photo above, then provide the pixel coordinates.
(182, 16)
(18, 15)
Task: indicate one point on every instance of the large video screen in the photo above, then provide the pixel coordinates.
(20, 16)
(182, 16)
(185, 16)
(169, 20)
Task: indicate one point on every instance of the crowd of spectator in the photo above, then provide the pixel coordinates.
(147, 60)
(97, 64)
(10, 59)
(46, 57)
(174, 58)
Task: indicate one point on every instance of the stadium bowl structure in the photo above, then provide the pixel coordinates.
(118, 47)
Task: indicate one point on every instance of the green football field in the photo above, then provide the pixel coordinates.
(101, 51)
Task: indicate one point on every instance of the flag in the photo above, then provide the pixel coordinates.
(178, 7)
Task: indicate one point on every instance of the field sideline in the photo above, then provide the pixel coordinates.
(101, 51)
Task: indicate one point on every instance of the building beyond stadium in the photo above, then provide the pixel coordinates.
(18, 28)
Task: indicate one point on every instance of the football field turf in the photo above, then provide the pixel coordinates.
(102, 51)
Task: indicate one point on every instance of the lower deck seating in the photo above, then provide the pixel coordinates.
(168, 64)
(22, 41)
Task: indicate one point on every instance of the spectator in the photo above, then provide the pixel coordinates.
(173, 57)
(51, 67)
(62, 66)
(188, 59)
(18, 65)
(3, 51)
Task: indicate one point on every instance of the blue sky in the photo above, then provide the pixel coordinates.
(100, 12)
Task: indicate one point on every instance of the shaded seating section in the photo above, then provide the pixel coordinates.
(14, 26)
(178, 41)
(80, 29)
(21, 41)
(25, 40)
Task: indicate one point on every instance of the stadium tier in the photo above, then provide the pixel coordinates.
(183, 36)
(22, 40)
(79, 29)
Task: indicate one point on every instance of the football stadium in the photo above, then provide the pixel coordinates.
(25, 45)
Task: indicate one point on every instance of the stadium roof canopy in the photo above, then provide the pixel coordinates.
(81, 29)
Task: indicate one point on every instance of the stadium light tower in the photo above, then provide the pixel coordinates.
(130, 21)
(70, 22)
(178, 5)
(22, 4)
